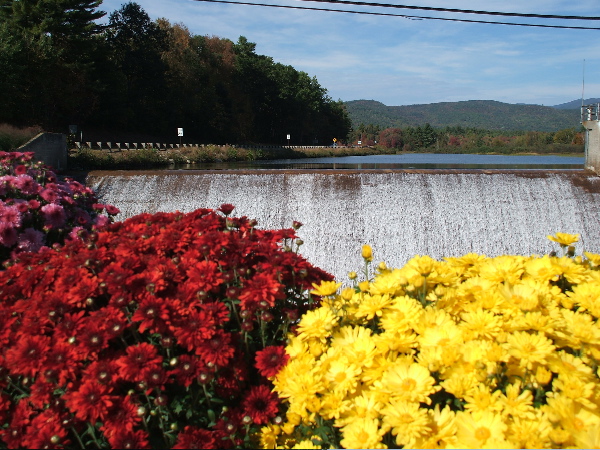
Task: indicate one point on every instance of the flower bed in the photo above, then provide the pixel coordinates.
(37, 210)
(471, 352)
(158, 332)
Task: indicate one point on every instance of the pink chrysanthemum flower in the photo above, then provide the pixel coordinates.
(30, 240)
(10, 215)
(54, 215)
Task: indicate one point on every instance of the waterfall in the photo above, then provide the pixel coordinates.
(399, 213)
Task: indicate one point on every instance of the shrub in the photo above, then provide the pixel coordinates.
(37, 210)
(471, 352)
(12, 137)
(157, 332)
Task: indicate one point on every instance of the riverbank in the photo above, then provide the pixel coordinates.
(148, 158)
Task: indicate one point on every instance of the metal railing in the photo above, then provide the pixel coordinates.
(590, 112)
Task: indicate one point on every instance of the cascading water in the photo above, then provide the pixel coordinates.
(399, 213)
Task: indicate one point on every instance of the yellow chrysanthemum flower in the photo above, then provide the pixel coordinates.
(503, 269)
(587, 297)
(317, 324)
(406, 420)
(594, 258)
(564, 239)
(480, 324)
(372, 305)
(528, 349)
(367, 252)
(391, 283)
(530, 433)
(443, 429)
(579, 329)
(517, 402)
(325, 288)
(480, 399)
(573, 272)
(366, 405)
(342, 377)
(268, 436)
(307, 444)
(408, 382)
(401, 314)
(362, 433)
(577, 389)
(481, 430)
(565, 363)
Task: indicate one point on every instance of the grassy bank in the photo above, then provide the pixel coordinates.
(153, 158)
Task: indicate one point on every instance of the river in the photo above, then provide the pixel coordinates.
(407, 161)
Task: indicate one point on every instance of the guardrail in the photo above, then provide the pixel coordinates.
(590, 112)
(119, 146)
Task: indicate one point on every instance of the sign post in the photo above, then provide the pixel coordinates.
(334, 142)
(288, 138)
(180, 134)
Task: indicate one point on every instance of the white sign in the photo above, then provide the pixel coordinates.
(288, 137)
(179, 131)
(359, 142)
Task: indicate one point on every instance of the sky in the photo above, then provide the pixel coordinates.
(399, 61)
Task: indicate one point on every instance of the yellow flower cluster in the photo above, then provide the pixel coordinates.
(469, 352)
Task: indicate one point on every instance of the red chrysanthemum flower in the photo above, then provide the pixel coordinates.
(19, 421)
(28, 355)
(153, 314)
(193, 330)
(226, 208)
(192, 437)
(261, 404)
(261, 291)
(105, 371)
(205, 275)
(138, 357)
(90, 402)
(270, 360)
(218, 349)
(121, 416)
(128, 439)
(46, 431)
(187, 368)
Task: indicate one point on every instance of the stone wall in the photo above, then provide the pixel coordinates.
(50, 148)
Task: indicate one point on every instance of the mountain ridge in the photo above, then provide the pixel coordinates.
(484, 114)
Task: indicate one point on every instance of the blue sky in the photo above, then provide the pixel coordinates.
(402, 62)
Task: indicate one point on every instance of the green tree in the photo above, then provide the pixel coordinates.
(53, 43)
(136, 96)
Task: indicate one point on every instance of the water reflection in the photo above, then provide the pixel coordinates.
(407, 161)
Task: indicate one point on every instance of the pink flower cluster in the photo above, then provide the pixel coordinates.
(37, 210)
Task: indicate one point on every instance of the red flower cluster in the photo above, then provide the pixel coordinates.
(157, 332)
(37, 210)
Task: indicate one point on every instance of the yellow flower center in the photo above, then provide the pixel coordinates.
(408, 384)
(340, 377)
(362, 436)
(482, 433)
(406, 418)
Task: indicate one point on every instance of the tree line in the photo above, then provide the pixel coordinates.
(61, 67)
(451, 139)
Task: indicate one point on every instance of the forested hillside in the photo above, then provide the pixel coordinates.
(483, 114)
(135, 75)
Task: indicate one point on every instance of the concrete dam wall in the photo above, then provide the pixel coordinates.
(400, 213)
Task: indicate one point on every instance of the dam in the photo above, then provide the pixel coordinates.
(400, 213)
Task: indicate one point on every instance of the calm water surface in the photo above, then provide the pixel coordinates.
(407, 161)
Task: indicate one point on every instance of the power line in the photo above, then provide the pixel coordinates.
(406, 16)
(453, 10)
